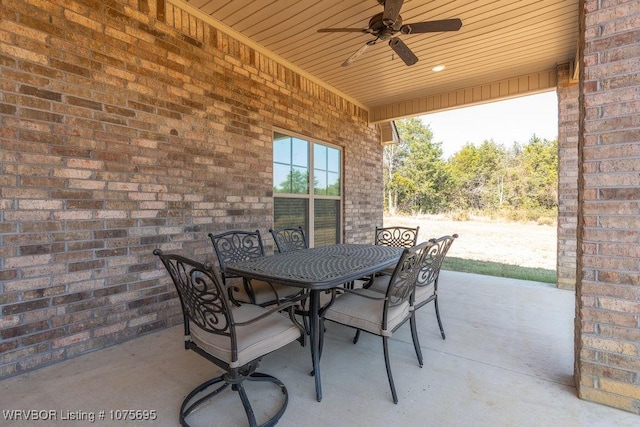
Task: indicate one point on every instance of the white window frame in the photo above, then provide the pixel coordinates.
(311, 196)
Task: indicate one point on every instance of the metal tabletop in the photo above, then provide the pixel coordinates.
(318, 269)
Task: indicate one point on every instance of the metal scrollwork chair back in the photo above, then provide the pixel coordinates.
(289, 239)
(427, 281)
(238, 245)
(400, 237)
(233, 337)
(382, 313)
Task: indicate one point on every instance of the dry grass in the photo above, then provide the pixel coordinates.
(514, 243)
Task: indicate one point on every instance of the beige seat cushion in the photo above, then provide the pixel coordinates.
(254, 340)
(365, 313)
(423, 293)
(263, 292)
(380, 284)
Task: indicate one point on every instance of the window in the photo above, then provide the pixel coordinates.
(307, 187)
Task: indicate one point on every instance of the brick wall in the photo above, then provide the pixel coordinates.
(568, 111)
(608, 300)
(120, 133)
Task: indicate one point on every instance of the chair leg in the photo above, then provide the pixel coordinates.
(321, 330)
(304, 325)
(257, 376)
(414, 336)
(246, 404)
(236, 385)
(188, 407)
(305, 322)
(356, 337)
(385, 344)
(438, 317)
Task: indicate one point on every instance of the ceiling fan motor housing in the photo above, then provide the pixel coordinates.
(383, 31)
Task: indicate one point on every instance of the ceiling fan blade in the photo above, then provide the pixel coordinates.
(358, 52)
(403, 51)
(432, 26)
(391, 11)
(342, 30)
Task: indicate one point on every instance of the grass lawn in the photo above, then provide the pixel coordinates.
(501, 270)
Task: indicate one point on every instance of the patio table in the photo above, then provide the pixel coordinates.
(318, 269)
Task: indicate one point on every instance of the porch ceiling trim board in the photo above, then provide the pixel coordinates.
(527, 84)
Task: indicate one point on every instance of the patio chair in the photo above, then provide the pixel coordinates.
(233, 337)
(237, 245)
(383, 313)
(427, 282)
(289, 239)
(399, 237)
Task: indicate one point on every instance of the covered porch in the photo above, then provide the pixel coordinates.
(131, 125)
(507, 360)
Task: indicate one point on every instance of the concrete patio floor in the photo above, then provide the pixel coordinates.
(507, 361)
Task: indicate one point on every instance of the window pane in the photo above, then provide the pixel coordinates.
(333, 184)
(299, 180)
(320, 157)
(290, 165)
(281, 178)
(333, 160)
(290, 213)
(327, 220)
(281, 148)
(320, 181)
(300, 152)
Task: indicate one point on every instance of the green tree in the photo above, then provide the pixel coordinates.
(421, 181)
(480, 174)
(394, 156)
(484, 177)
(540, 165)
(297, 182)
(492, 177)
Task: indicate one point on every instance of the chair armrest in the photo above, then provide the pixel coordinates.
(288, 305)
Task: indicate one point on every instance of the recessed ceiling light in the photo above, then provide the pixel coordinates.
(438, 68)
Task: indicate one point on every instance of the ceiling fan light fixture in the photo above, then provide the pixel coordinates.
(438, 68)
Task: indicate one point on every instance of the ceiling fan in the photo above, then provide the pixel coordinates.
(385, 25)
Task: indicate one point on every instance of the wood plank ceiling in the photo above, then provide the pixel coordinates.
(499, 40)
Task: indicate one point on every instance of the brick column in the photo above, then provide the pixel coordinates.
(608, 284)
(568, 92)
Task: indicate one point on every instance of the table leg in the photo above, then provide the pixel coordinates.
(314, 337)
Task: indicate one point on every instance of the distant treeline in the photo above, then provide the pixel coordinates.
(520, 180)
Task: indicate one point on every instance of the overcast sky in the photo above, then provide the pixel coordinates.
(503, 121)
